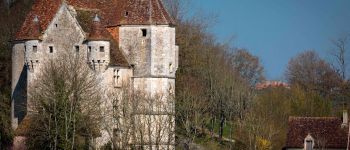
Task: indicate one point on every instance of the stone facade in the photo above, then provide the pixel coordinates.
(150, 52)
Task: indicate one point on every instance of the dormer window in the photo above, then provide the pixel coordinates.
(51, 49)
(144, 32)
(126, 13)
(102, 49)
(35, 49)
(309, 143)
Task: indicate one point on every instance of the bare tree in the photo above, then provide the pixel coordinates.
(340, 53)
(177, 8)
(312, 73)
(248, 66)
(63, 107)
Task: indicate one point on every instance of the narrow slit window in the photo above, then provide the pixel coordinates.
(117, 82)
(144, 32)
(171, 67)
(77, 48)
(35, 49)
(89, 49)
(51, 49)
(126, 13)
(56, 25)
(102, 49)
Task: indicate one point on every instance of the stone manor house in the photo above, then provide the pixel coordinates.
(123, 41)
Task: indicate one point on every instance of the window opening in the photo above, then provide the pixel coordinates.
(171, 67)
(51, 49)
(117, 82)
(77, 49)
(102, 49)
(144, 32)
(35, 49)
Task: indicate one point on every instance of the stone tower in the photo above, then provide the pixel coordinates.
(151, 50)
(125, 42)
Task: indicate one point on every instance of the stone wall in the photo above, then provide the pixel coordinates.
(19, 80)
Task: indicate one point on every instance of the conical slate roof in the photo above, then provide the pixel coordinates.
(97, 32)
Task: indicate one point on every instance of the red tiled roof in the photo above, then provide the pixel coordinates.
(114, 12)
(326, 130)
(98, 32)
(146, 12)
(45, 10)
(268, 84)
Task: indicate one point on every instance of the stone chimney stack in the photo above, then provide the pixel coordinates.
(345, 118)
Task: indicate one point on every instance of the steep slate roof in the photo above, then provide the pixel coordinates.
(113, 13)
(327, 129)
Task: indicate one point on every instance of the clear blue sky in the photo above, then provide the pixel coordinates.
(276, 30)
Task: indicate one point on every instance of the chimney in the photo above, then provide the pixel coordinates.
(345, 118)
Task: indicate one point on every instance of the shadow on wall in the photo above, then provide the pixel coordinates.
(20, 96)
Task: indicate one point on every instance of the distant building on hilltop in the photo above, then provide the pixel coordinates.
(268, 84)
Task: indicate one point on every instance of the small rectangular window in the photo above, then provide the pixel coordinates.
(77, 49)
(102, 49)
(35, 49)
(51, 49)
(89, 49)
(144, 32)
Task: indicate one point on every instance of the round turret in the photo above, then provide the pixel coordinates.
(98, 46)
(32, 47)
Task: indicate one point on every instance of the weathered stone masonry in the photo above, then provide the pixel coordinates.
(124, 41)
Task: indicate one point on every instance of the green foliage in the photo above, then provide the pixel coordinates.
(11, 19)
(5, 123)
(309, 104)
(64, 106)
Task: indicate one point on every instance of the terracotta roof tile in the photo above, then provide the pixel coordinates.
(45, 10)
(97, 32)
(327, 130)
(112, 12)
(143, 12)
(115, 12)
